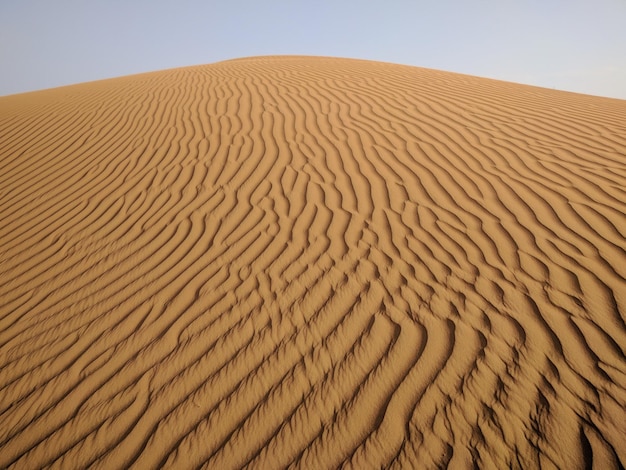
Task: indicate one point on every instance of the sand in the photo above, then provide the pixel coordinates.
(312, 262)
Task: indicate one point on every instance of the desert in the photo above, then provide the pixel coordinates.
(312, 262)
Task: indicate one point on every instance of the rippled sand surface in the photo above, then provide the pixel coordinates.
(312, 262)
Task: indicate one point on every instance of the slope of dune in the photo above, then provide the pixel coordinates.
(312, 262)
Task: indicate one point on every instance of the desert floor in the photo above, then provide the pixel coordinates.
(312, 262)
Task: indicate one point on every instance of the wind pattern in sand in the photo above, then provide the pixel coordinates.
(312, 262)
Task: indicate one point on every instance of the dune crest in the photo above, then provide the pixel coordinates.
(312, 262)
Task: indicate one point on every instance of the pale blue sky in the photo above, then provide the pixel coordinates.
(576, 45)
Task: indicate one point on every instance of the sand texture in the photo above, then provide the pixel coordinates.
(312, 262)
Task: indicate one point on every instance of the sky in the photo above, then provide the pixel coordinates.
(574, 45)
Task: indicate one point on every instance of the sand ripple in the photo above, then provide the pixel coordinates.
(315, 263)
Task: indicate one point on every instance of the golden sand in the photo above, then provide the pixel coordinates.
(312, 262)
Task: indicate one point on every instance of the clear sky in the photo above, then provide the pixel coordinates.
(576, 45)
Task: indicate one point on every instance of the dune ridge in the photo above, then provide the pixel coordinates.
(312, 262)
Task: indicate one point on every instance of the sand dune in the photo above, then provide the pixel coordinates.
(312, 262)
